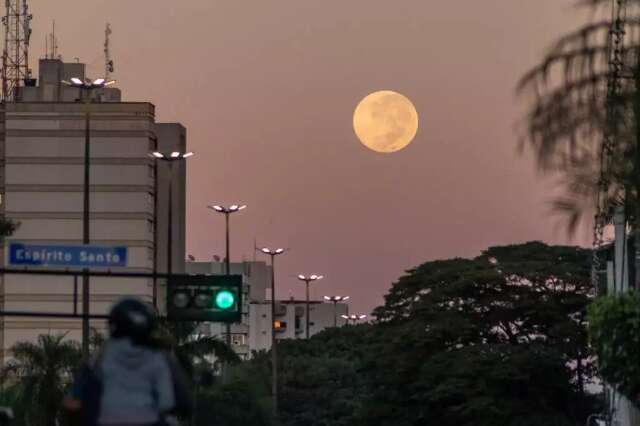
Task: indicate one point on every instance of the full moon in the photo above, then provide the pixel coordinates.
(385, 121)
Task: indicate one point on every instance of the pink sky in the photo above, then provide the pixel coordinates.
(267, 89)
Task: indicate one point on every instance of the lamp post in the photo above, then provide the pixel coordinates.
(274, 365)
(353, 318)
(227, 211)
(170, 159)
(307, 280)
(335, 300)
(86, 88)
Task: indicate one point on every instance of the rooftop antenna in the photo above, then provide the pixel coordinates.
(255, 248)
(51, 44)
(15, 56)
(108, 62)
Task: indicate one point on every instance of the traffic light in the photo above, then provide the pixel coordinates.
(216, 298)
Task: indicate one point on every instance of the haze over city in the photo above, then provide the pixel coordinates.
(306, 213)
(267, 94)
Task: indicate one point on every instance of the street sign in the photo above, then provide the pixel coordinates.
(216, 298)
(84, 256)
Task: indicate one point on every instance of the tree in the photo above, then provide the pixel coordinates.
(41, 373)
(7, 227)
(583, 123)
(244, 398)
(614, 327)
(516, 309)
(194, 349)
(574, 109)
(491, 340)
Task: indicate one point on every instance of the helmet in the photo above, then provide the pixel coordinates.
(133, 318)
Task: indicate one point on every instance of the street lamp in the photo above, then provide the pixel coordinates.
(86, 90)
(169, 158)
(227, 211)
(274, 365)
(353, 318)
(307, 280)
(335, 300)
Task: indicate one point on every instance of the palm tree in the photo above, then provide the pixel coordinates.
(584, 105)
(7, 227)
(194, 349)
(41, 372)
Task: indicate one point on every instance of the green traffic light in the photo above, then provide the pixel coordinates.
(225, 299)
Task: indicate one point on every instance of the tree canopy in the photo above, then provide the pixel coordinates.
(497, 339)
(580, 98)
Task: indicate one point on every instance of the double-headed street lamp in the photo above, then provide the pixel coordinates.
(227, 211)
(335, 300)
(307, 280)
(353, 318)
(86, 91)
(274, 360)
(169, 158)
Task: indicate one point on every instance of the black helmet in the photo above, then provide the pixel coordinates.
(133, 318)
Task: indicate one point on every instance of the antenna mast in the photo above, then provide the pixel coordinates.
(108, 62)
(15, 56)
(616, 62)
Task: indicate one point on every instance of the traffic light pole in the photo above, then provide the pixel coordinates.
(170, 220)
(307, 328)
(274, 356)
(85, 222)
(228, 272)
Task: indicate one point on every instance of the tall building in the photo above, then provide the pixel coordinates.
(41, 182)
(254, 332)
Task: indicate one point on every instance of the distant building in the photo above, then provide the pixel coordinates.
(254, 333)
(617, 276)
(41, 183)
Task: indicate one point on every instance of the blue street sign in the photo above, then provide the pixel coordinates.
(79, 255)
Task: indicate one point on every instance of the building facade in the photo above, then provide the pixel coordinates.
(42, 141)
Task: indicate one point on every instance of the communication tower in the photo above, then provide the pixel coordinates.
(15, 56)
(616, 65)
(108, 62)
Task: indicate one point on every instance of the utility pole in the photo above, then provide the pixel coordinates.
(307, 280)
(274, 346)
(227, 211)
(86, 89)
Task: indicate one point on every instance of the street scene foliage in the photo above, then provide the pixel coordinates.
(497, 339)
(614, 328)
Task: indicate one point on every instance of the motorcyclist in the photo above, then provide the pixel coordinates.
(129, 382)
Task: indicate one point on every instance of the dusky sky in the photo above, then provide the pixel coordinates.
(267, 89)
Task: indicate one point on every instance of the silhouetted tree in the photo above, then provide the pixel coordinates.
(40, 373)
(574, 107)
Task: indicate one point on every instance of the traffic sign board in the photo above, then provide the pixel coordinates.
(84, 256)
